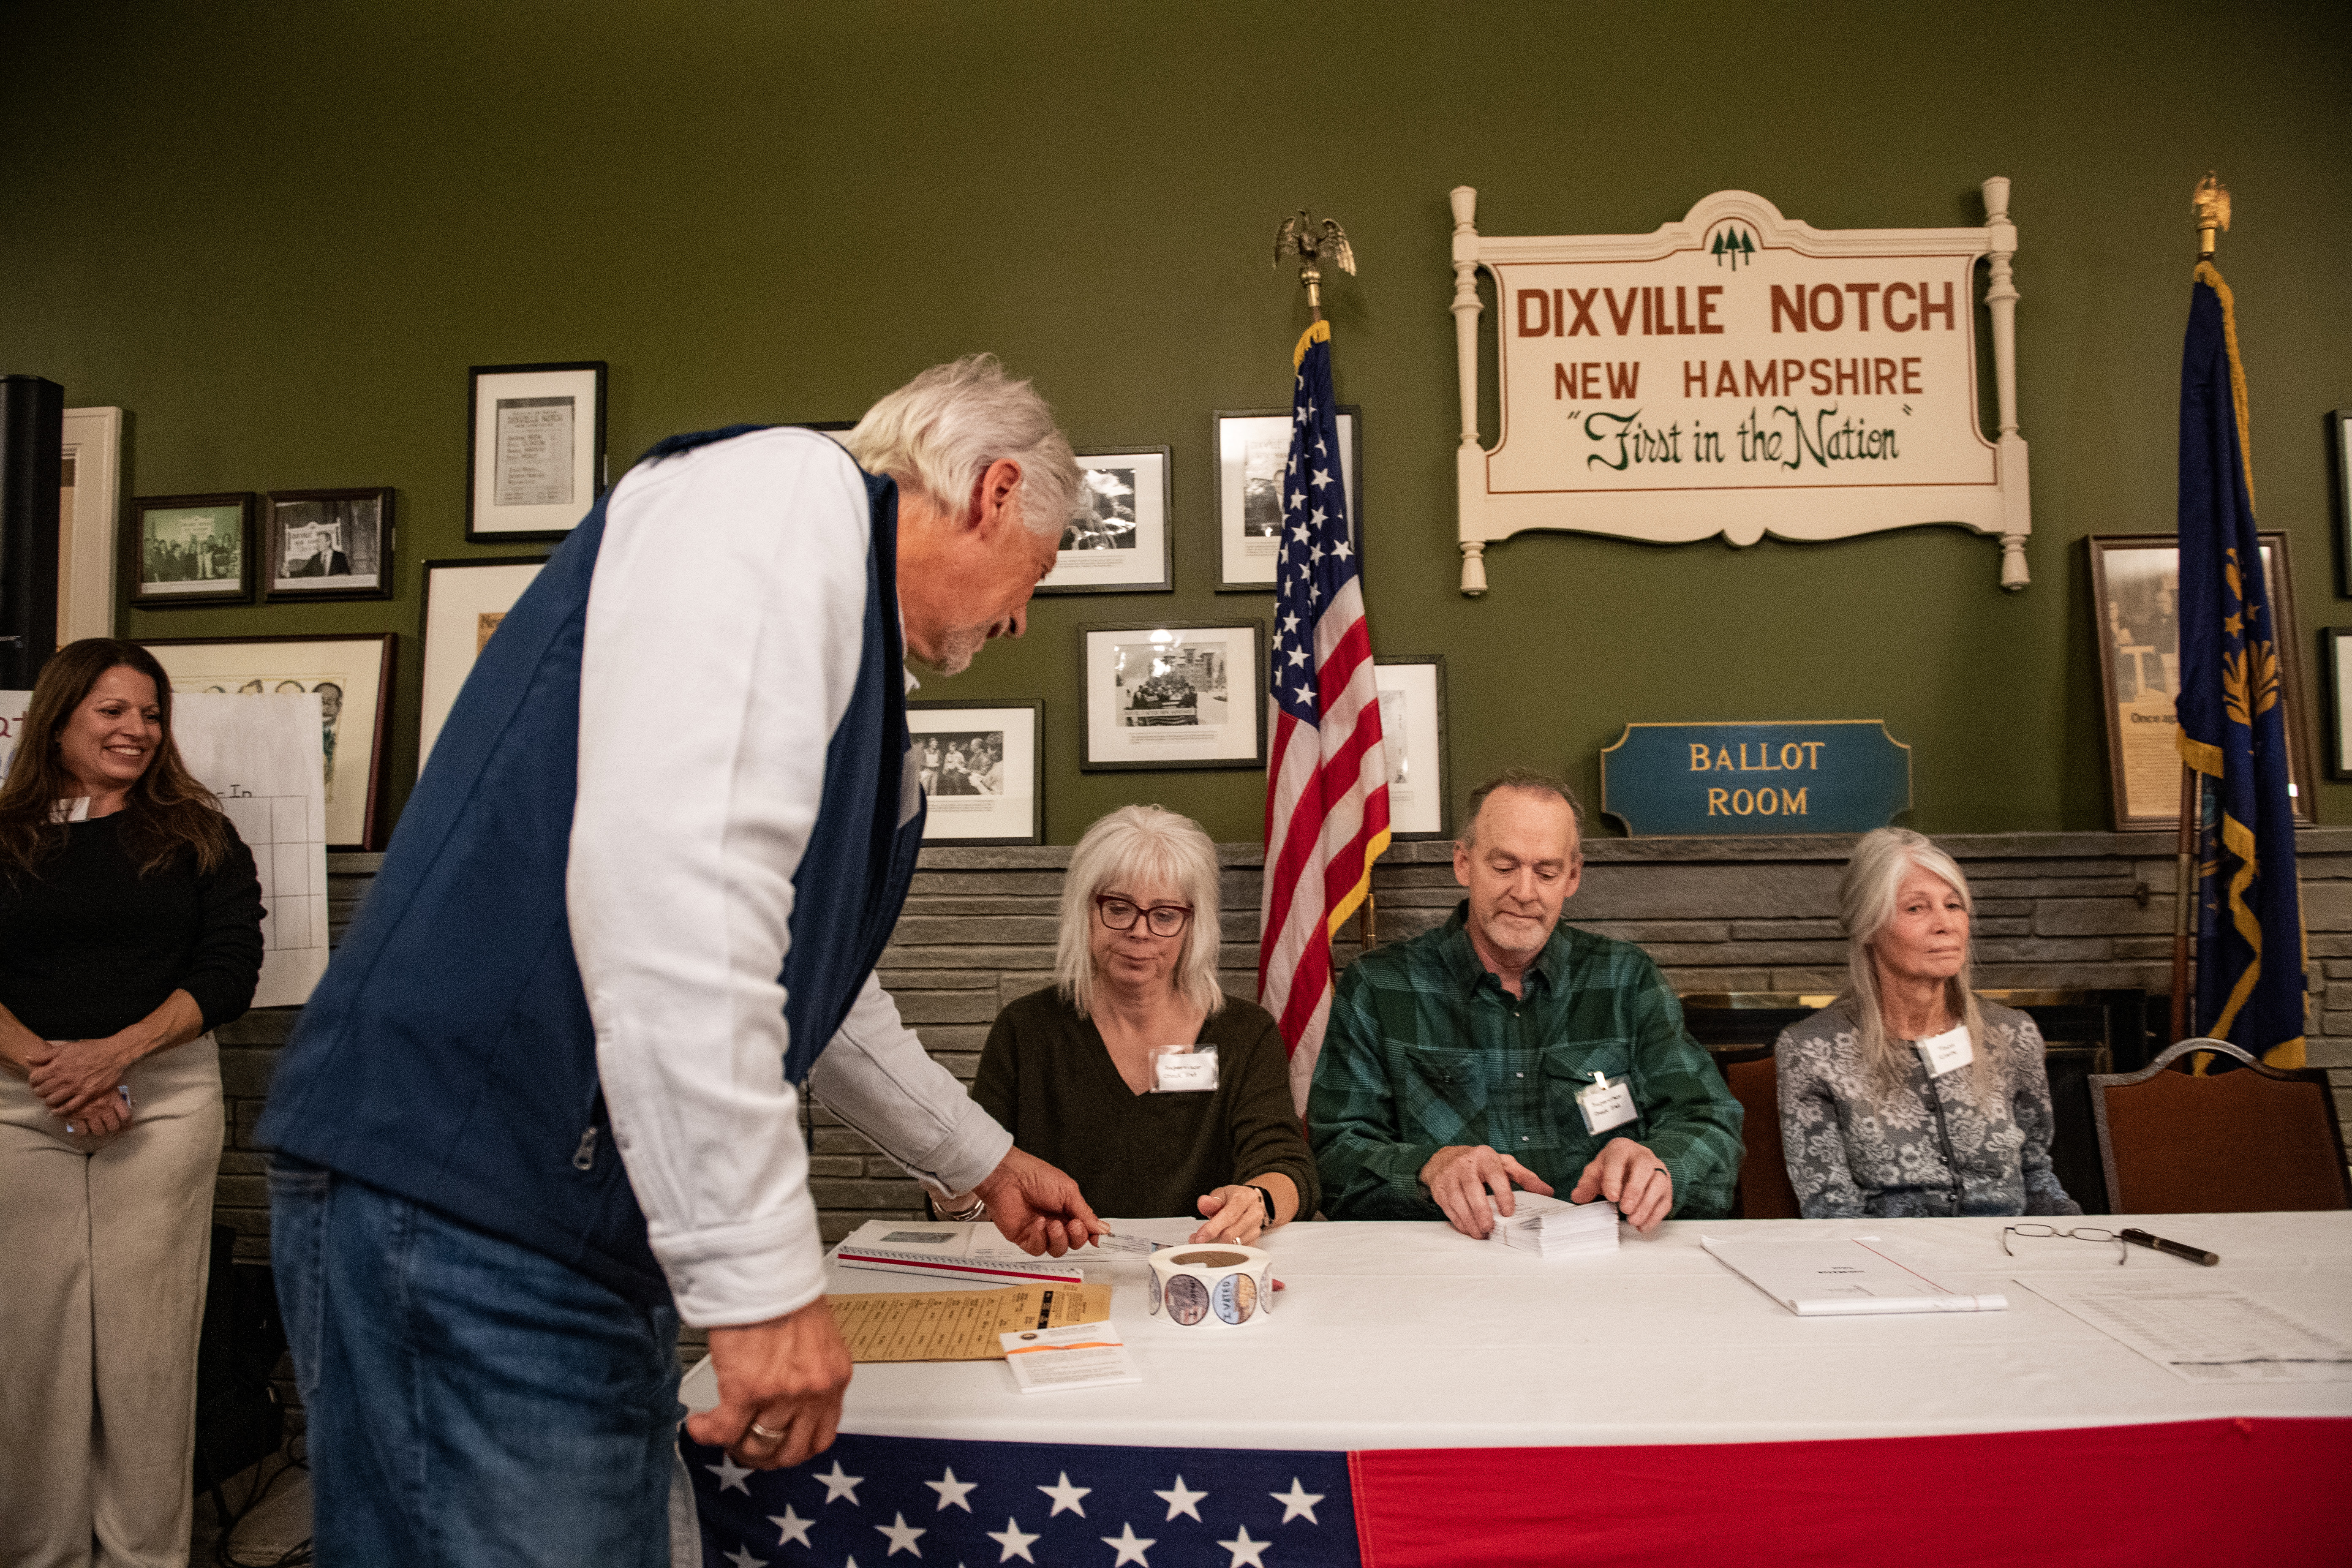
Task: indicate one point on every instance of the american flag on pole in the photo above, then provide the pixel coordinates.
(1326, 791)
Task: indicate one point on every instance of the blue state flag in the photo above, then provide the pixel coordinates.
(2250, 979)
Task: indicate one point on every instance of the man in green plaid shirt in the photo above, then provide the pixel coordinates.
(1505, 1048)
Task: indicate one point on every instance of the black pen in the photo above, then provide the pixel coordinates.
(2194, 1255)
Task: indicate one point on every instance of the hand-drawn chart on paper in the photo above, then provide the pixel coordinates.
(259, 756)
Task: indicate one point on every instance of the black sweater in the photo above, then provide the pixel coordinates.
(88, 947)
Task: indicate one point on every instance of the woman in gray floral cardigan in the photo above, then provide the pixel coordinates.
(1909, 1095)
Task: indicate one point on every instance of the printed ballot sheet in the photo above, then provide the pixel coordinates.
(1843, 1277)
(959, 1325)
(2201, 1332)
(259, 756)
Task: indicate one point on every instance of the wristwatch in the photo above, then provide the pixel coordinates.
(1267, 1199)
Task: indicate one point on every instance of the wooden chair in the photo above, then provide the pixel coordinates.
(2258, 1137)
(1764, 1189)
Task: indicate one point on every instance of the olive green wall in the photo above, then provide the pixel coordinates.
(279, 235)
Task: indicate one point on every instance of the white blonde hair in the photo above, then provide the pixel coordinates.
(1867, 906)
(938, 433)
(1148, 845)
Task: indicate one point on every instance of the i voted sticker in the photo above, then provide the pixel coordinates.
(1940, 1053)
(1185, 1072)
(1608, 1102)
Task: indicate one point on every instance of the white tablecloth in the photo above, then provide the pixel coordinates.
(1410, 1335)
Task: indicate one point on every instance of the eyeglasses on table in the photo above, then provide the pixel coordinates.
(2080, 1233)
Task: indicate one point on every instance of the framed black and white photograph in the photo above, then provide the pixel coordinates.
(2134, 597)
(1173, 694)
(983, 766)
(1412, 732)
(464, 603)
(1117, 540)
(2339, 448)
(535, 458)
(188, 550)
(351, 675)
(2336, 671)
(1252, 448)
(327, 544)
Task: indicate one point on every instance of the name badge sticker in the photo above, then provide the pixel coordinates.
(1181, 1071)
(1940, 1053)
(1607, 1103)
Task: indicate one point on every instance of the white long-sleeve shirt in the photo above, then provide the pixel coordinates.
(723, 638)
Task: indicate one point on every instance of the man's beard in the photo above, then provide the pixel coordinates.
(957, 648)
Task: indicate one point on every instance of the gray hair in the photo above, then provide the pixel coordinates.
(1866, 898)
(938, 433)
(1148, 843)
(1534, 783)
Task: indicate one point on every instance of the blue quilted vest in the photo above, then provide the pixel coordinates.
(448, 1056)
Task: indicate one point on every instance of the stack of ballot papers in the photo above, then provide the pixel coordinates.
(1553, 1228)
(949, 1252)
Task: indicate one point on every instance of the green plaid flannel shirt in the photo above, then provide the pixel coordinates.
(1425, 1048)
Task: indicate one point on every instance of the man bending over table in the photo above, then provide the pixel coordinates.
(1504, 1048)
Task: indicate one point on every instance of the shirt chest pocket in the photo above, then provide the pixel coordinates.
(1565, 1072)
(1445, 1092)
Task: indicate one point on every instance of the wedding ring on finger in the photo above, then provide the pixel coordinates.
(760, 1431)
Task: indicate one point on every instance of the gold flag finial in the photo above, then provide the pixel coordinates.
(1300, 235)
(2212, 206)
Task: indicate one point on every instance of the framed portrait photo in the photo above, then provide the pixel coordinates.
(1253, 449)
(2336, 669)
(983, 766)
(2135, 594)
(1117, 540)
(535, 456)
(1412, 732)
(327, 544)
(2339, 449)
(1173, 694)
(464, 603)
(188, 550)
(353, 678)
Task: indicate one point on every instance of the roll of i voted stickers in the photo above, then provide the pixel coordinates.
(1213, 1285)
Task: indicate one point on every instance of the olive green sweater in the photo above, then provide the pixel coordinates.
(1048, 1078)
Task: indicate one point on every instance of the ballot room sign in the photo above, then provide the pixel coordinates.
(1845, 775)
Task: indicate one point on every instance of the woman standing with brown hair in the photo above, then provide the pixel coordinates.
(130, 928)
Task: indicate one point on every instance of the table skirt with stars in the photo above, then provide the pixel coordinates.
(1990, 1498)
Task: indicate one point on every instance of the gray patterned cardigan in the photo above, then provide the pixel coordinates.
(1929, 1149)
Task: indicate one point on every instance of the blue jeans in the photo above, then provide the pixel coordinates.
(471, 1401)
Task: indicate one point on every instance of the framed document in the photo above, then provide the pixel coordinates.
(2339, 448)
(351, 675)
(1253, 446)
(327, 545)
(535, 458)
(2336, 671)
(188, 550)
(1412, 732)
(464, 603)
(1117, 540)
(2135, 591)
(983, 770)
(1173, 694)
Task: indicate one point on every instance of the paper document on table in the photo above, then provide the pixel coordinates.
(1852, 1275)
(959, 1325)
(1554, 1227)
(949, 1251)
(2201, 1332)
(1077, 1355)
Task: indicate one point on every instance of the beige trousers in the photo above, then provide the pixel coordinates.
(104, 1247)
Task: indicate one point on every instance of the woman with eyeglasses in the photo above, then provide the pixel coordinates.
(1910, 1095)
(1134, 1072)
